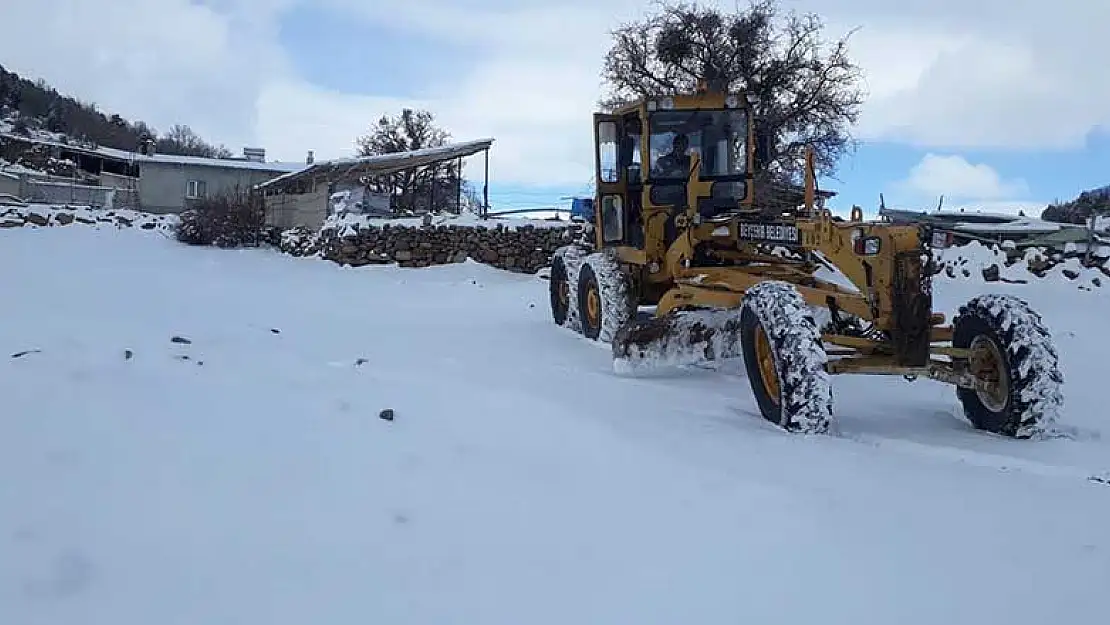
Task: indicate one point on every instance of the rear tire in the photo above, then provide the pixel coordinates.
(785, 358)
(1018, 349)
(562, 288)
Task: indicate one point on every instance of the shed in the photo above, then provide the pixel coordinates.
(301, 198)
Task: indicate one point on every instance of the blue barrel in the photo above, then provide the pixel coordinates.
(582, 208)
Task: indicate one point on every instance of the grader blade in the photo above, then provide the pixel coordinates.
(691, 337)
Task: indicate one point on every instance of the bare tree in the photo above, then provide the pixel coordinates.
(806, 88)
(182, 140)
(413, 189)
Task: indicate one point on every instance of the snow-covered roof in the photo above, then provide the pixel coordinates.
(169, 159)
(1019, 224)
(380, 164)
(974, 221)
(174, 159)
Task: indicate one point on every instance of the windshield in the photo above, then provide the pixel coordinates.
(719, 137)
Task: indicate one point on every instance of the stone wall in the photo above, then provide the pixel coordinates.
(42, 216)
(522, 249)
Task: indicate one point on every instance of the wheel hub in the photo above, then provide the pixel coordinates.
(593, 305)
(989, 365)
(766, 359)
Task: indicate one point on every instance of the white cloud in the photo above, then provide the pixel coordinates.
(163, 61)
(963, 185)
(293, 117)
(955, 177)
(943, 74)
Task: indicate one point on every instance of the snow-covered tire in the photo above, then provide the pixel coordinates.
(1031, 400)
(602, 278)
(799, 396)
(566, 264)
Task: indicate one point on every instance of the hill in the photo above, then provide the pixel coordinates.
(1079, 210)
(34, 106)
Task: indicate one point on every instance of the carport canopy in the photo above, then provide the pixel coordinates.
(376, 165)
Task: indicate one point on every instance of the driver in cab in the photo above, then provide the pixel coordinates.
(676, 163)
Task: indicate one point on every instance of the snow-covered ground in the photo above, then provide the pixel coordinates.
(246, 477)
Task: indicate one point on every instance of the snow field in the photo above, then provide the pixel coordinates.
(521, 481)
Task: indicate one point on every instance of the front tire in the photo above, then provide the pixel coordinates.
(785, 358)
(1014, 350)
(606, 299)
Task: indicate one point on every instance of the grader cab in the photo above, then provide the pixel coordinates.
(739, 268)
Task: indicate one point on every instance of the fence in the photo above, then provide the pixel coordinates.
(58, 192)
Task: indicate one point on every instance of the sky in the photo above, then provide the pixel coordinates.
(995, 105)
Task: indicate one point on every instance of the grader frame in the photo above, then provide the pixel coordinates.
(705, 239)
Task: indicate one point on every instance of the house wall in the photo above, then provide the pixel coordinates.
(162, 186)
(289, 210)
(116, 181)
(9, 185)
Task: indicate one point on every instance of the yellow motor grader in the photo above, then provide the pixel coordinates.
(772, 276)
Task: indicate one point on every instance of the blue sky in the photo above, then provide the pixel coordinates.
(991, 103)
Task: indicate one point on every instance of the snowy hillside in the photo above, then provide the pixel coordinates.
(194, 436)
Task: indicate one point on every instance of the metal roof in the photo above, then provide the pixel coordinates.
(170, 159)
(379, 164)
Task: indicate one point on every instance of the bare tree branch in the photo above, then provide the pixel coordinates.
(808, 91)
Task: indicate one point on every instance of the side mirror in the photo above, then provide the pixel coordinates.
(762, 149)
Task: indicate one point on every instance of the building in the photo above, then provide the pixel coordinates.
(1014, 232)
(9, 184)
(142, 180)
(169, 183)
(304, 198)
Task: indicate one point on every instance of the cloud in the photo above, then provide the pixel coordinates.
(293, 117)
(988, 74)
(162, 61)
(942, 74)
(955, 177)
(963, 185)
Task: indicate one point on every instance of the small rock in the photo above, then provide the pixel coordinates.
(532, 305)
(275, 331)
(127, 354)
(386, 415)
(182, 340)
(360, 362)
(1070, 274)
(992, 273)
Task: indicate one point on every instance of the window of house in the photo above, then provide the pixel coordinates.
(195, 189)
